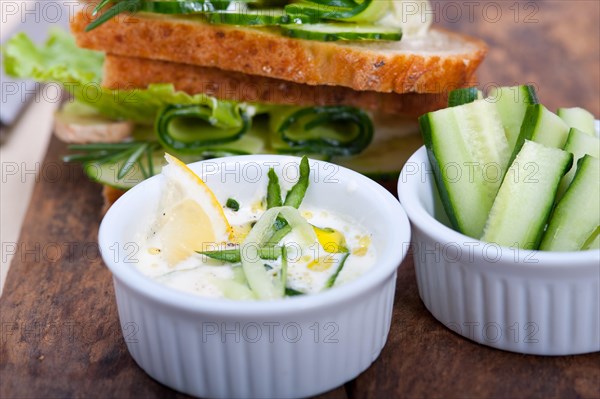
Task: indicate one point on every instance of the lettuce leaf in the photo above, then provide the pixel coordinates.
(58, 60)
(79, 71)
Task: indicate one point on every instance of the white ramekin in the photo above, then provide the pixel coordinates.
(535, 302)
(296, 347)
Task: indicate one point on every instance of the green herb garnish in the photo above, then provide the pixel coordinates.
(120, 7)
(296, 194)
(292, 292)
(100, 6)
(233, 255)
(293, 198)
(273, 190)
(232, 204)
(126, 154)
(334, 276)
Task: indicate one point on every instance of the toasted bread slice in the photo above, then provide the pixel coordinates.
(137, 73)
(437, 62)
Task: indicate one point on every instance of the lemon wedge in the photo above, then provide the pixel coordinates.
(190, 216)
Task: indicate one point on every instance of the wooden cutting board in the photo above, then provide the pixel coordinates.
(60, 334)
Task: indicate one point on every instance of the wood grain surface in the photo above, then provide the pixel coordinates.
(60, 333)
(552, 44)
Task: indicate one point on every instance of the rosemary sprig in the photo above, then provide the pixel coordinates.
(127, 154)
(134, 157)
(118, 8)
(100, 6)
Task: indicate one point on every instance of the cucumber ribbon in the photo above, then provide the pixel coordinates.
(259, 280)
(208, 127)
(201, 128)
(335, 130)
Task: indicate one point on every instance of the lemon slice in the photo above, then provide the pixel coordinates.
(190, 217)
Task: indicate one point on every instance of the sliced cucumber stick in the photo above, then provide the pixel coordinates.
(578, 118)
(469, 153)
(577, 215)
(526, 197)
(464, 96)
(543, 127)
(578, 144)
(512, 103)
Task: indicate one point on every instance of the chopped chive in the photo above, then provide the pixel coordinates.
(226, 255)
(279, 234)
(293, 198)
(335, 275)
(273, 190)
(292, 292)
(234, 256)
(284, 267)
(232, 204)
(296, 194)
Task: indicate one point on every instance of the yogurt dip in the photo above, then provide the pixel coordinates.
(339, 251)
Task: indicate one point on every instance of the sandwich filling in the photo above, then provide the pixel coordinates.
(324, 20)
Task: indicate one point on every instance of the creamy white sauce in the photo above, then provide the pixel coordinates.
(198, 273)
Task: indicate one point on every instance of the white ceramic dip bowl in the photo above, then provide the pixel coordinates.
(293, 347)
(535, 302)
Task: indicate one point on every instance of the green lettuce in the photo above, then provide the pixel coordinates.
(79, 71)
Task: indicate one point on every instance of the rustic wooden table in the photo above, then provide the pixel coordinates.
(60, 334)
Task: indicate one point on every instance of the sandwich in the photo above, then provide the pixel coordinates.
(341, 80)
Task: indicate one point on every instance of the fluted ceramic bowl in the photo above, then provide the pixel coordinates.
(535, 302)
(294, 347)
